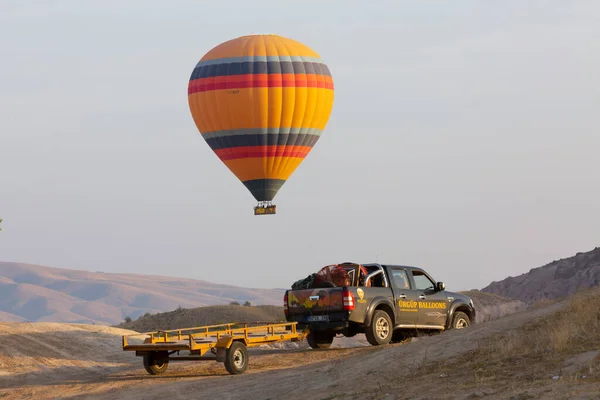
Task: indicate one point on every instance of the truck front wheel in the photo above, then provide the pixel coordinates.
(320, 340)
(460, 320)
(380, 330)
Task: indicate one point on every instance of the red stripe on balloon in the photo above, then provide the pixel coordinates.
(259, 80)
(262, 151)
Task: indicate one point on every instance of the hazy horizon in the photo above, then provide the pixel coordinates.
(463, 140)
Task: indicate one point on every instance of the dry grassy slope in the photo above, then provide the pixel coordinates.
(38, 293)
(558, 279)
(210, 315)
(512, 357)
(31, 347)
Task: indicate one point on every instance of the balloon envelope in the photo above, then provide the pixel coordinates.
(261, 103)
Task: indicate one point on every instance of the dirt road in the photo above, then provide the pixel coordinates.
(358, 372)
(48, 360)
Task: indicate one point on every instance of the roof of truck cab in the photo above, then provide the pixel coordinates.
(398, 266)
(404, 266)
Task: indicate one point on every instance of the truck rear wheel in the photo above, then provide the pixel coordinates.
(320, 340)
(236, 358)
(380, 330)
(154, 365)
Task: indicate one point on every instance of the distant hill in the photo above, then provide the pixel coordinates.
(210, 315)
(39, 293)
(6, 317)
(558, 279)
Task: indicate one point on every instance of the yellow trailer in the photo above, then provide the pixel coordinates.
(224, 343)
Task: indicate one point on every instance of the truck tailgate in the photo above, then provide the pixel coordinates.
(314, 305)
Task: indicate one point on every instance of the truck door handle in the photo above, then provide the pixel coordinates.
(402, 296)
(421, 296)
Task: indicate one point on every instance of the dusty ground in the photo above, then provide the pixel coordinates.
(47, 361)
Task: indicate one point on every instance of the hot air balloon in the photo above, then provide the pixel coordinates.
(261, 103)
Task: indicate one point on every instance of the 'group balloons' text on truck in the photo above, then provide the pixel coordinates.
(388, 303)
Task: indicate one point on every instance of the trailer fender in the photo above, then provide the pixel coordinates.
(224, 342)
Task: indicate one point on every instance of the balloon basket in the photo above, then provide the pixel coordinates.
(265, 209)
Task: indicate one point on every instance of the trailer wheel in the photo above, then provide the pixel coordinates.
(154, 366)
(236, 358)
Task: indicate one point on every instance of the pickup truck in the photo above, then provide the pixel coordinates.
(388, 303)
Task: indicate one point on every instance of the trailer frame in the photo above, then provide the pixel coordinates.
(226, 343)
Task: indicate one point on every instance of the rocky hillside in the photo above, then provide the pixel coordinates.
(557, 279)
(491, 306)
(42, 294)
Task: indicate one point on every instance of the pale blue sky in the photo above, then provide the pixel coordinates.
(463, 139)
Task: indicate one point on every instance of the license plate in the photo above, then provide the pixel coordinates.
(318, 318)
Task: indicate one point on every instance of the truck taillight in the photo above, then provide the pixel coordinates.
(348, 300)
(285, 306)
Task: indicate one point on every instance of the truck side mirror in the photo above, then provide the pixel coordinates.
(440, 286)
